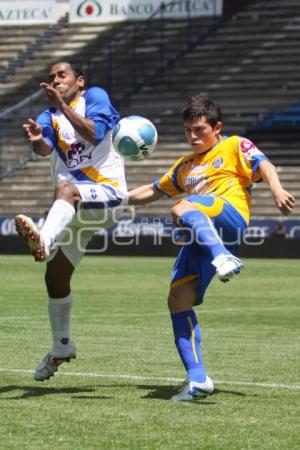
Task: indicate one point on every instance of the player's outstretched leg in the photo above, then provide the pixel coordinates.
(207, 236)
(53, 360)
(42, 243)
(27, 230)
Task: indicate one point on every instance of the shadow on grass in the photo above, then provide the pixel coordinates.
(166, 392)
(37, 391)
(156, 392)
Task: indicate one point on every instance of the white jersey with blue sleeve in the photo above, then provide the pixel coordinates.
(73, 158)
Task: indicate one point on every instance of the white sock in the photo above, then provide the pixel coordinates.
(59, 311)
(60, 215)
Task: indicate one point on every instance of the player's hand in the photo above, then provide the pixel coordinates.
(32, 130)
(53, 95)
(284, 201)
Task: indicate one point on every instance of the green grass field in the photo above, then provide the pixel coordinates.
(116, 394)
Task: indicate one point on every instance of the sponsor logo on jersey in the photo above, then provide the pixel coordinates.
(246, 145)
(193, 180)
(202, 187)
(76, 155)
(249, 149)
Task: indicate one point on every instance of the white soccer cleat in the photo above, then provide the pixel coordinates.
(50, 363)
(191, 390)
(27, 230)
(227, 266)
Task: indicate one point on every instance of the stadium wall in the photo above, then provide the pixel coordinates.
(148, 246)
(155, 236)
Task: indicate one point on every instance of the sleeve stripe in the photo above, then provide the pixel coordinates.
(174, 176)
(255, 162)
(155, 185)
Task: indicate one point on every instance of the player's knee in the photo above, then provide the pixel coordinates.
(181, 207)
(67, 191)
(170, 301)
(50, 280)
(183, 297)
(175, 302)
(57, 283)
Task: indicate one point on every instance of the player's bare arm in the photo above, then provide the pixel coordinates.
(84, 127)
(283, 199)
(33, 132)
(143, 194)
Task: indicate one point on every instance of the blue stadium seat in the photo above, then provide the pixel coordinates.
(289, 118)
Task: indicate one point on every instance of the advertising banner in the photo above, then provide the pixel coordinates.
(163, 226)
(102, 11)
(26, 12)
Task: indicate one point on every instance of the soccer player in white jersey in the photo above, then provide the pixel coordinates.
(89, 187)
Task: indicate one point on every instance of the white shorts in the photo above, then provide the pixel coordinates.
(101, 207)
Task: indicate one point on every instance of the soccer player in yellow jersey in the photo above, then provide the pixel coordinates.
(217, 178)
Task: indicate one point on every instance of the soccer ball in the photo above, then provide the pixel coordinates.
(134, 138)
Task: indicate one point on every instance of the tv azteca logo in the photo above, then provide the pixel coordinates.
(89, 8)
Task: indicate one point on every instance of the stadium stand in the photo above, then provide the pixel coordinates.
(287, 120)
(14, 45)
(30, 66)
(245, 62)
(278, 134)
(247, 65)
(20, 44)
(252, 74)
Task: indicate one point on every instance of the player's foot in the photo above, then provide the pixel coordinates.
(51, 362)
(191, 390)
(27, 230)
(227, 266)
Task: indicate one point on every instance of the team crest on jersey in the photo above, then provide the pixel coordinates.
(218, 163)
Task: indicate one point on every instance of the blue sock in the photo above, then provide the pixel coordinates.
(187, 340)
(204, 232)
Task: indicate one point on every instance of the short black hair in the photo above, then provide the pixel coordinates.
(76, 68)
(199, 106)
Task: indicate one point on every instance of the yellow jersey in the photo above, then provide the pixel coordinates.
(226, 170)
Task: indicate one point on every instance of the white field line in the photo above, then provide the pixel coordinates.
(295, 387)
(157, 313)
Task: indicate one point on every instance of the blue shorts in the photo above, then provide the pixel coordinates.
(192, 262)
